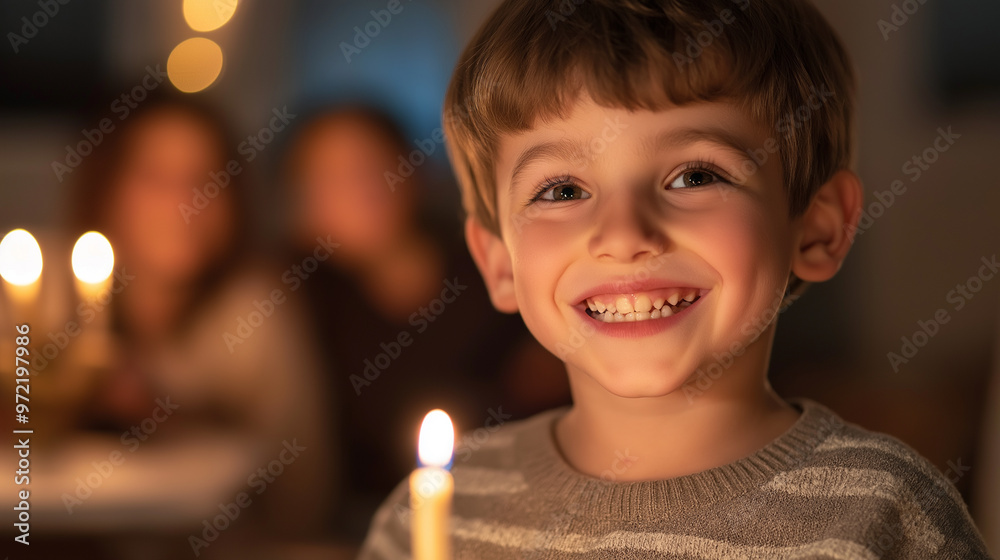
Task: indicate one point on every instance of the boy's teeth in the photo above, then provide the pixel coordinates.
(623, 305)
(611, 315)
(657, 304)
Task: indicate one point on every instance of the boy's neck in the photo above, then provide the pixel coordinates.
(627, 439)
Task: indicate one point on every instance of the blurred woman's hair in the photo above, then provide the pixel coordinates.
(319, 118)
(97, 177)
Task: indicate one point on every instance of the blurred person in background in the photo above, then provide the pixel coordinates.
(404, 322)
(198, 325)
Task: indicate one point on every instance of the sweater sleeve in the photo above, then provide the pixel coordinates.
(951, 533)
(913, 509)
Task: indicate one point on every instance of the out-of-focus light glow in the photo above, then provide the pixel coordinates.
(437, 439)
(20, 258)
(93, 259)
(194, 64)
(208, 15)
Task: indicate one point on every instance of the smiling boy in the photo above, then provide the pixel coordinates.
(647, 208)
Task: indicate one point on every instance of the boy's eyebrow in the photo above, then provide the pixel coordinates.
(563, 149)
(725, 139)
(569, 150)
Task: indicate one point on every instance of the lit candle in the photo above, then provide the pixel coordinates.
(93, 261)
(21, 267)
(431, 489)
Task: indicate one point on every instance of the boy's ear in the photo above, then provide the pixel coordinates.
(494, 264)
(827, 228)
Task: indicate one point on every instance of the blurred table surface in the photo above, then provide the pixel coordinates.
(156, 487)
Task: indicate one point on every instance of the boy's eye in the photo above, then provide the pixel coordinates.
(693, 178)
(563, 191)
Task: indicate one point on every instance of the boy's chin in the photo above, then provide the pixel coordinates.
(635, 384)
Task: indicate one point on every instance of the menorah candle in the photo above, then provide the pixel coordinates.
(21, 269)
(432, 488)
(93, 261)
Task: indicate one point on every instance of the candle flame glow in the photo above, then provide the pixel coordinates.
(93, 258)
(437, 439)
(20, 258)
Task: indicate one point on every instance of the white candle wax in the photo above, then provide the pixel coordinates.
(432, 488)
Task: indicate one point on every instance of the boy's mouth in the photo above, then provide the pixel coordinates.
(641, 306)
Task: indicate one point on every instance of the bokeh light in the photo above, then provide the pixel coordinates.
(194, 64)
(20, 258)
(93, 259)
(208, 15)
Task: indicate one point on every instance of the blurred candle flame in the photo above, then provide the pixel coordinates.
(437, 439)
(20, 258)
(93, 259)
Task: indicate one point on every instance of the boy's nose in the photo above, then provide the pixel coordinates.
(628, 231)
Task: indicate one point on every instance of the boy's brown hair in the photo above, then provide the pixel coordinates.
(777, 60)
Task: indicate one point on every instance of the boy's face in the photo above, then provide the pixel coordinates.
(638, 210)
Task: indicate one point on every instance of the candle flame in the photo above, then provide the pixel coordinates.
(437, 439)
(93, 258)
(20, 258)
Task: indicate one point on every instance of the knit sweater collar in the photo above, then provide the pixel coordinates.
(546, 470)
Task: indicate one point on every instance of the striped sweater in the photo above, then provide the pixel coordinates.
(823, 489)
